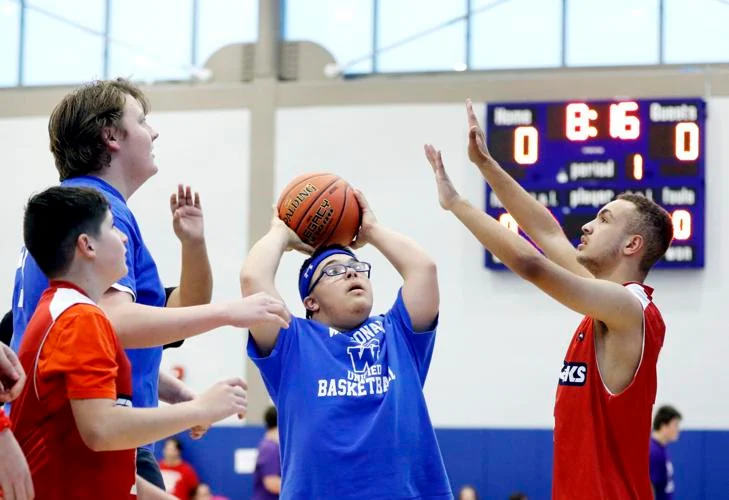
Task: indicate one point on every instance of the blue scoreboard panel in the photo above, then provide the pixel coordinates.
(575, 157)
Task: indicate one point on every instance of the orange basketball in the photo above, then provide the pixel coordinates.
(321, 208)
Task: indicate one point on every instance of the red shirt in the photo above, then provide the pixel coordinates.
(601, 440)
(4, 420)
(180, 480)
(70, 351)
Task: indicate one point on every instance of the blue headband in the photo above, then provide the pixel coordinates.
(307, 273)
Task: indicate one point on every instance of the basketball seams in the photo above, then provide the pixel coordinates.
(342, 213)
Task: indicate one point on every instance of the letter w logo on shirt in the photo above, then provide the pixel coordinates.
(364, 355)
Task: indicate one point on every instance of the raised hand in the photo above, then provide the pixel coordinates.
(187, 215)
(477, 150)
(368, 221)
(447, 194)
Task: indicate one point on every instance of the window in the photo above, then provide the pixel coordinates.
(516, 33)
(151, 40)
(222, 22)
(343, 27)
(615, 33)
(63, 41)
(9, 32)
(427, 35)
(696, 31)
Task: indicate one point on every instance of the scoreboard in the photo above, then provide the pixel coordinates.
(575, 157)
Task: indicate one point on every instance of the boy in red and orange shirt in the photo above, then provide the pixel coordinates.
(73, 419)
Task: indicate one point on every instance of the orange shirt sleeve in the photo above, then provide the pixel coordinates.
(84, 350)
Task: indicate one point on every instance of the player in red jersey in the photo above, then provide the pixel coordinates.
(607, 385)
(73, 418)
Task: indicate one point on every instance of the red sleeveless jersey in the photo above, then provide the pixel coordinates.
(601, 440)
(70, 351)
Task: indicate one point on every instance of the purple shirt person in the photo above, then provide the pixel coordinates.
(661, 471)
(267, 476)
(665, 430)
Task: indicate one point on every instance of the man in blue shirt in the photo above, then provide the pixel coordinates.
(348, 386)
(100, 138)
(665, 430)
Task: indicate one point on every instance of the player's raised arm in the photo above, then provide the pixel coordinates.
(259, 272)
(418, 270)
(533, 217)
(196, 275)
(600, 299)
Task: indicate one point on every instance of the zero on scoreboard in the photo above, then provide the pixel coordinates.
(576, 156)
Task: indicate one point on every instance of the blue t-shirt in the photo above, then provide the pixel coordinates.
(142, 282)
(661, 470)
(351, 411)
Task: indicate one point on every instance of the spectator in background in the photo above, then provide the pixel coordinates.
(468, 492)
(665, 430)
(202, 492)
(267, 476)
(179, 476)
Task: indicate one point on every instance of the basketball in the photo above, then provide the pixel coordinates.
(321, 208)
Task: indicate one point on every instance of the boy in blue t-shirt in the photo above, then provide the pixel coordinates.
(348, 386)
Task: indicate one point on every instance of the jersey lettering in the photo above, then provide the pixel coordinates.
(573, 374)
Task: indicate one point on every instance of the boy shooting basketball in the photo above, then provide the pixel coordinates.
(607, 386)
(74, 419)
(348, 386)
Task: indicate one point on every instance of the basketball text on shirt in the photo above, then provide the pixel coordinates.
(366, 375)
